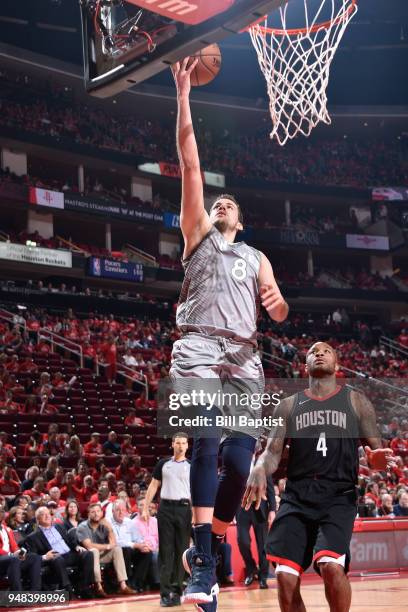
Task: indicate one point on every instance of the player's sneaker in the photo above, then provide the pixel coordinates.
(208, 607)
(202, 585)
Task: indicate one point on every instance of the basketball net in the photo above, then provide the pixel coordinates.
(296, 65)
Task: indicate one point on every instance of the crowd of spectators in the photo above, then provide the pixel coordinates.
(46, 109)
(94, 494)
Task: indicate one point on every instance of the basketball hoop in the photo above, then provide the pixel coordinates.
(296, 64)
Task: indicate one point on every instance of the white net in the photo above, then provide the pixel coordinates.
(296, 64)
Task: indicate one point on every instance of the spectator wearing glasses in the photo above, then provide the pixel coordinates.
(59, 551)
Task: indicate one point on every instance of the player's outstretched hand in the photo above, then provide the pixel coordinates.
(380, 459)
(181, 73)
(273, 302)
(256, 488)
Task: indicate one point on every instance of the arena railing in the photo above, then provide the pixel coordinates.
(8, 316)
(393, 345)
(368, 377)
(127, 372)
(62, 342)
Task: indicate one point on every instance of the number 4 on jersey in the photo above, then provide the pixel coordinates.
(321, 444)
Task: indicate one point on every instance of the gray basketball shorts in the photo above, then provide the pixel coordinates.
(227, 372)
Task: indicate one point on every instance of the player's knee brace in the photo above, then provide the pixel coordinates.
(236, 455)
(203, 472)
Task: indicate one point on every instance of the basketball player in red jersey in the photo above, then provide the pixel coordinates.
(315, 520)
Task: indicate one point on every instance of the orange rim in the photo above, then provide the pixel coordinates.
(294, 31)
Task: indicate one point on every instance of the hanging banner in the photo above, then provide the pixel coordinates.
(364, 241)
(46, 197)
(35, 255)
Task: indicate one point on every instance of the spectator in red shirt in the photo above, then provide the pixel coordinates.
(13, 365)
(100, 470)
(55, 496)
(58, 480)
(109, 352)
(132, 420)
(31, 405)
(81, 472)
(34, 444)
(103, 496)
(403, 337)
(398, 444)
(9, 406)
(372, 492)
(111, 481)
(58, 381)
(127, 447)
(13, 385)
(6, 450)
(125, 470)
(140, 472)
(142, 402)
(14, 475)
(94, 446)
(9, 487)
(88, 490)
(38, 491)
(28, 366)
(69, 490)
(134, 494)
(43, 347)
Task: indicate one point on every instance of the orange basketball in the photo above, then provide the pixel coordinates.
(209, 65)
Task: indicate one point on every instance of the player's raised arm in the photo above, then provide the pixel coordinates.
(378, 458)
(269, 460)
(194, 220)
(271, 297)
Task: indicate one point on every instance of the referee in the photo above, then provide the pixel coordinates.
(174, 518)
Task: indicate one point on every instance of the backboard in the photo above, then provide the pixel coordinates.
(125, 43)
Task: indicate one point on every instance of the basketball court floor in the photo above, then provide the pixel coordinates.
(375, 593)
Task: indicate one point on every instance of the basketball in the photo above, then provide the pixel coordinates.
(209, 65)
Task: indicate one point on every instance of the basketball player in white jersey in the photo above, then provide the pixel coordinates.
(225, 281)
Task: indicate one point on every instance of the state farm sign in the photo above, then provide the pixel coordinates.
(182, 10)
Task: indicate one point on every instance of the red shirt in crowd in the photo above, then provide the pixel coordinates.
(9, 487)
(93, 448)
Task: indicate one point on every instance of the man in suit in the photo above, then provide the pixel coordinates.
(261, 521)
(14, 562)
(60, 551)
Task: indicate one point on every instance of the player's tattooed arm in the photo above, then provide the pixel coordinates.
(271, 297)
(378, 458)
(194, 220)
(269, 460)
